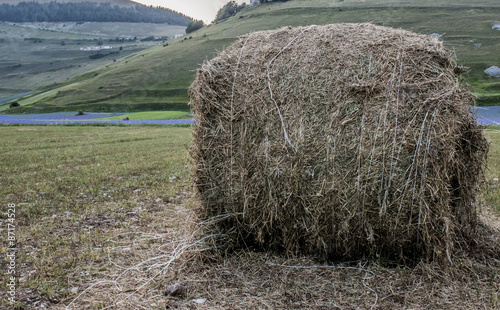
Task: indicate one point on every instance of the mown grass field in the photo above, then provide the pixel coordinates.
(492, 190)
(158, 78)
(81, 186)
(100, 212)
(152, 115)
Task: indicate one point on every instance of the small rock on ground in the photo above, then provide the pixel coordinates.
(493, 71)
(176, 289)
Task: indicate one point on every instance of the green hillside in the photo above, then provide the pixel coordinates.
(158, 78)
(35, 54)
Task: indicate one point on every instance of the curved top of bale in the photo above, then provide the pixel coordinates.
(340, 140)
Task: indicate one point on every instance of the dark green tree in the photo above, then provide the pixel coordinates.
(228, 10)
(194, 25)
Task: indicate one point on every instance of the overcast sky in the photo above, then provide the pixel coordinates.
(198, 9)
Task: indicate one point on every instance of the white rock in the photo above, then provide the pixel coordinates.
(200, 300)
(74, 290)
(493, 71)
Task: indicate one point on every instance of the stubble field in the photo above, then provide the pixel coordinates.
(104, 219)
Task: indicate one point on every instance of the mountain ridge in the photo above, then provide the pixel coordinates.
(121, 3)
(89, 12)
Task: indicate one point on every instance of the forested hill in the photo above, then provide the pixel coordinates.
(88, 12)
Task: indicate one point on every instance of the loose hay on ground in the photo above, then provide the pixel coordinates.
(340, 141)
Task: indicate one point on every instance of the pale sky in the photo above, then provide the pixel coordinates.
(198, 9)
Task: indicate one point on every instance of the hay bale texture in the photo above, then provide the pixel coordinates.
(342, 140)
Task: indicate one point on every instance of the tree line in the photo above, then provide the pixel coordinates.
(231, 8)
(228, 10)
(89, 12)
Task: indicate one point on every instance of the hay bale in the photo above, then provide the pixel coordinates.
(342, 141)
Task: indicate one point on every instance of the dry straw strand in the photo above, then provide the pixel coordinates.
(271, 90)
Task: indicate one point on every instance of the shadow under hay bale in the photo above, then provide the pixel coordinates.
(343, 141)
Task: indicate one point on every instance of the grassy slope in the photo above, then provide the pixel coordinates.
(91, 199)
(157, 79)
(37, 54)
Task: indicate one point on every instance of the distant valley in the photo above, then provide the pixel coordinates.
(46, 42)
(38, 54)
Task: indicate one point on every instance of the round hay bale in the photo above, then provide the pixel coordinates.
(342, 141)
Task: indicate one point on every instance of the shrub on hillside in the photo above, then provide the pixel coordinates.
(228, 10)
(194, 25)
